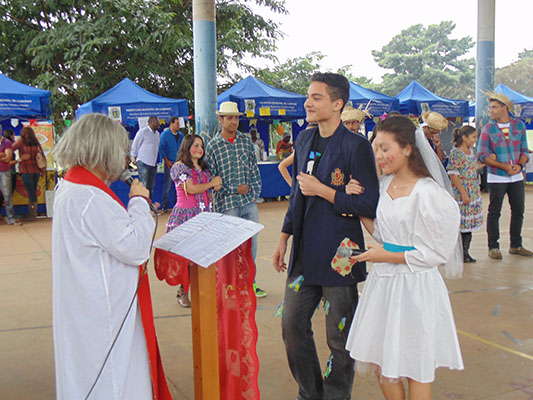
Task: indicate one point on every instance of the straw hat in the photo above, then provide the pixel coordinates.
(353, 114)
(501, 98)
(435, 120)
(228, 108)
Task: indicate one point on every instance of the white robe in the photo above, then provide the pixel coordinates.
(404, 321)
(97, 247)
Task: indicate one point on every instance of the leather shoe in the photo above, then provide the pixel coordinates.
(520, 251)
(495, 254)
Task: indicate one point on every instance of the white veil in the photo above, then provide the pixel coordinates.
(454, 267)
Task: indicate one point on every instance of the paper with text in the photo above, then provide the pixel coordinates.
(208, 237)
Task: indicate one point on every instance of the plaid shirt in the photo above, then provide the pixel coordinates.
(492, 141)
(236, 165)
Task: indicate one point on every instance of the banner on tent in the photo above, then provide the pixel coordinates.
(16, 105)
(447, 110)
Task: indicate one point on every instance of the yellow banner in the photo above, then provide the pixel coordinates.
(44, 131)
(281, 111)
(264, 111)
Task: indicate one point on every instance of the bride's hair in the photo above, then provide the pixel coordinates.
(403, 131)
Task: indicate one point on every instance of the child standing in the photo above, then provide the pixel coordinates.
(193, 189)
(463, 171)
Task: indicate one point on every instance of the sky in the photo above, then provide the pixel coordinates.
(346, 31)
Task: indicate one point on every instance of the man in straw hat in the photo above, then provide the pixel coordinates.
(320, 217)
(230, 155)
(352, 117)
(503, 147)
(432, 123)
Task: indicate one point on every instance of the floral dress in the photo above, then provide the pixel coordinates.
(188, 205)
(465, 167)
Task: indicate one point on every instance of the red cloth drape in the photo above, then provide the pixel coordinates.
(236, 305)
(160, 389)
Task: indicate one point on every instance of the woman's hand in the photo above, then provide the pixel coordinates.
(216, 183)
(375, 253)
(354, 187)
(138, 189)
(465, 197)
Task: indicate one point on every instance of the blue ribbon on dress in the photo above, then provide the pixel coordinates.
(396, 248)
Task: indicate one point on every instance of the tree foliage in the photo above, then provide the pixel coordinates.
(294, 74)
(78, 49)
(431, 57)
(518, 75)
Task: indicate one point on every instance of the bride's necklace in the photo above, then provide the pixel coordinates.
(401, 185)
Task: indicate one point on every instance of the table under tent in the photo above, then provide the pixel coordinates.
(22, 105)
(129, 103)
(264, 105)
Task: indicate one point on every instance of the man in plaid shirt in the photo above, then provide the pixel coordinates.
(503, 147)
(230, 155)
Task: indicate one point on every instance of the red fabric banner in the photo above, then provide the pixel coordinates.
(236, 305)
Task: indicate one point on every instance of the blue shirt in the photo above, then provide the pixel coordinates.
(145, 146)
(169, 144)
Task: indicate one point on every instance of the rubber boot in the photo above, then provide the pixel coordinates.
(32, 215)
(467, 239)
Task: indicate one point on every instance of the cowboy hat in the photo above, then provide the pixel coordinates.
(228, 108)
(435, 120)
(353, 114)
(500, 97)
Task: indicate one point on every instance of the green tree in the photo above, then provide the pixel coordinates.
(294, 74)
(78, 49)
(518, 75)
(429, 56)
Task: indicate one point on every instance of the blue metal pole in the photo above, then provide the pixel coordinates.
(205, 70)
(484, 60)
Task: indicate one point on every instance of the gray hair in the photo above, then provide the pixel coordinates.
(94, 141)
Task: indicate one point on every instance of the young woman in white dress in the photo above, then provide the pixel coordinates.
(403, 326)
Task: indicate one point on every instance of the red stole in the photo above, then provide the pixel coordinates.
(160, 389)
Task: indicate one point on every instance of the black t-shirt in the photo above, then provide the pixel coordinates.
(318, 148)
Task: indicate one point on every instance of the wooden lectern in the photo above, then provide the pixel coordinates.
(204, 332)
(223, 321)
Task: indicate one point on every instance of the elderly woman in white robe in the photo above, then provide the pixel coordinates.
(97, 248)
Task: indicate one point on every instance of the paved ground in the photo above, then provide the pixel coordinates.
(493, 305)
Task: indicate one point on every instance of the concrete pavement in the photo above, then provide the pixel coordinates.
(493, 307)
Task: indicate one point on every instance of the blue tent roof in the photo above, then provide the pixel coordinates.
(17, 99)
(414, 95)
(380, 103)
(525, 102)
(263, 100)
(134, 102)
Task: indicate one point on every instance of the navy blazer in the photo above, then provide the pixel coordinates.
(317, 226)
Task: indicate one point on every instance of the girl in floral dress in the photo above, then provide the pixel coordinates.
(463, 171)
(193, 189)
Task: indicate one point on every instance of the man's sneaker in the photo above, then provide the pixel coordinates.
(259, 292)
(495, 254)
(183, 298)
(521, 251)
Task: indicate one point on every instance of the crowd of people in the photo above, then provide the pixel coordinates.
(419, 204)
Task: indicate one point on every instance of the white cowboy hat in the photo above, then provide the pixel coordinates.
(228, 108)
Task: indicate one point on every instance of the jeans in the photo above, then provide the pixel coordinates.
(516, 195)
(250, 212)
(300, 345)
(167, 185)
(147, 175)
(5, 187)
(30, 182)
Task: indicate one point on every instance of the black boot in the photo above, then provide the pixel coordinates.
(467, 239)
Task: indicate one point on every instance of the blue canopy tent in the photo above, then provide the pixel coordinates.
(130, 102)
(265, 103)
(379, 102)
(21, 101)
(414, 96)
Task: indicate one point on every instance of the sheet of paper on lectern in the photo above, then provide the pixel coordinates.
(208, 237)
